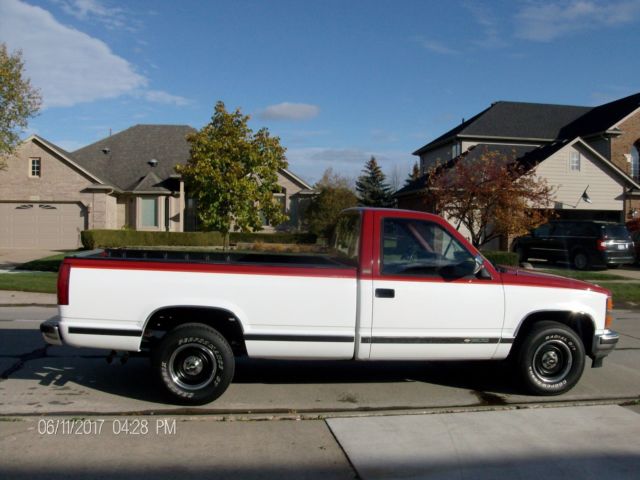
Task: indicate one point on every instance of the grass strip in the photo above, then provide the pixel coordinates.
(39, 282)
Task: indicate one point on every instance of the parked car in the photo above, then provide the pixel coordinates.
(583, 243)
(635, 236)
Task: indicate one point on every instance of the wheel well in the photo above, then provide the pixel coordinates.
(581, 323)
(166, 319)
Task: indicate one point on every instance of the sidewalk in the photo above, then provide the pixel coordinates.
(11, 298)
(549, 443)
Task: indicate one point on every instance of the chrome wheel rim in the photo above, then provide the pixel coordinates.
(552, 361)
(192, 366)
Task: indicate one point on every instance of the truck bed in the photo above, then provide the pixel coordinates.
(220, 258)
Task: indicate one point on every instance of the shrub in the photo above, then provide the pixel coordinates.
(501, 258)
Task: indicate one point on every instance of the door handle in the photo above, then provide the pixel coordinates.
(385, 293)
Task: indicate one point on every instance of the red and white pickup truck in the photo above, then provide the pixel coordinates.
(396, 285)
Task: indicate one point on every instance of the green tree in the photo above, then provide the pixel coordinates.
(414, 175)
(373, 191)
(232, 173)
(19, 101)
(334, 195)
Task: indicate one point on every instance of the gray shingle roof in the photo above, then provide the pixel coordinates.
(515, 120)
(548, 122)
(122, 159)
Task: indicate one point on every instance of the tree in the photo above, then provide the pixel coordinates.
(232, 173)
(19, 101)
(413, 175)
(372, 189)
(491, 195)
(334, 195)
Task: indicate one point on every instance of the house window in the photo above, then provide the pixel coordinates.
(574, 162)
(455, 150)
(35, 167)
(635, 162)
(149, 212)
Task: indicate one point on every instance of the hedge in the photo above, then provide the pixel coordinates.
(132, 238)
(502, 258)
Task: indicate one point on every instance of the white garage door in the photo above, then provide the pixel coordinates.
(53, 226)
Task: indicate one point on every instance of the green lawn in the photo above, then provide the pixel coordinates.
(43, 282)
(46, 264)
(623, 292)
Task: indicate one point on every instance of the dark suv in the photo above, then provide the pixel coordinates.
(584, 243)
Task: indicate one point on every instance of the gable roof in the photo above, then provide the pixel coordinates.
(527, 156)
(538, 121)
(122, 159)
(508, 152)
(64, 155)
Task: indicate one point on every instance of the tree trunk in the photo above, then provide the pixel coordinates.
(225, 242)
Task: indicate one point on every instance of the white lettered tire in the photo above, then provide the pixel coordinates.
(194, 363)
(550, 359)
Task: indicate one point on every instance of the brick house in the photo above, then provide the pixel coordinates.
(127, 180)
(576, 149)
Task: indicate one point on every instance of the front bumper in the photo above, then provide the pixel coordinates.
(603, 344)
(50, 330)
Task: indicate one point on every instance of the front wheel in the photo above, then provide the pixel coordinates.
(551, 359)
(194, 363)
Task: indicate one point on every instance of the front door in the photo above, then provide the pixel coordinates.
(428, 302)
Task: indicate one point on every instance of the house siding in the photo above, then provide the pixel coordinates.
(435, 156)
(605, 191)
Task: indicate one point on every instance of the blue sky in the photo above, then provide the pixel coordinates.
(337, 81)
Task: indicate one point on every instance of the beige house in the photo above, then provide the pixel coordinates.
(576, 149)
(48, 196)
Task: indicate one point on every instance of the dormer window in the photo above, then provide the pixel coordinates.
(35, 167)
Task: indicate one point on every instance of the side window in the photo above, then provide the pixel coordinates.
(542, 230)
(345, 243)
(414, 247)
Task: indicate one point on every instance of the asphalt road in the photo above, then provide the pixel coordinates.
(65, 413)
(39, 379)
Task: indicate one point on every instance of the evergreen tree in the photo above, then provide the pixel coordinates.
(373, 191)
(414, 175)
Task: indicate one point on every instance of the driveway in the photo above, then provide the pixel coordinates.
(10, 257)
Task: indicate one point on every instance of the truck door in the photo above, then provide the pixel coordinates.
(427, 301)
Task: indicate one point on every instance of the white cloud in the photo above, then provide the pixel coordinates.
(68, 66)
(547, 21)
(159, 96)
(310, 163)
(290, 111)
(111, 17)
(489, 25)
(437, 47)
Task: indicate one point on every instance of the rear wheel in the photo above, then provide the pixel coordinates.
(580, 260)
(194, 363)
(551, 359)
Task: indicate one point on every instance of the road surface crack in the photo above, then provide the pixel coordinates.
(22, 359)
